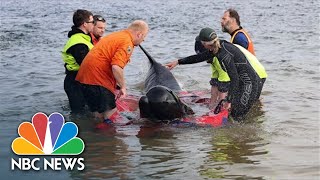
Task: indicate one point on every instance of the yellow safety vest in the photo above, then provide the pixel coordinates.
(218, 72)
(257, 66)
(78, 38)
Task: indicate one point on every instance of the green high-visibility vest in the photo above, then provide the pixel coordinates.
(257, 66)
(218, 72)
(79, 38)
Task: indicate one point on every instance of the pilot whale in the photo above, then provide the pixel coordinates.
(161, 101)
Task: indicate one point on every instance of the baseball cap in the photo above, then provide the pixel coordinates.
(206, 34)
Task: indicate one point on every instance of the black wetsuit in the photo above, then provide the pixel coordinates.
(71, 86)
(244, 80)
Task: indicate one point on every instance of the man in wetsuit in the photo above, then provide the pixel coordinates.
(253, 60)
(74, 51)
(230, 23)
(230, 64)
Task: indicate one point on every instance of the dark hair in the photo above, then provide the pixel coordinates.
(233, 13)
(98, 18)
(81, 16)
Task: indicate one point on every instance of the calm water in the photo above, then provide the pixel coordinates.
(279, 141)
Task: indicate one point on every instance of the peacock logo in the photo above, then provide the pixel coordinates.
(47, 136)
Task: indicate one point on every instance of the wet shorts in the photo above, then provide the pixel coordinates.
(222, 86)
(98, 98)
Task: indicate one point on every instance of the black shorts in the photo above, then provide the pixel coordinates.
(222, 86)
(98, 98)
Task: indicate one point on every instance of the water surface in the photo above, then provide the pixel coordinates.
(279, 141)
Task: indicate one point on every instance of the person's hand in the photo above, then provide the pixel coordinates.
(121, 93)
(227, 105)
(213, 105)
(172, 64)
(217, 107)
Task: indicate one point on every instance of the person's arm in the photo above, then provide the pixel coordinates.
(204, 56)
(78, 51)
(120, 59)
(200, 57)
(118, 75)
(241, 39)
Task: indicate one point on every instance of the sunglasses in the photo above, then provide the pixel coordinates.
(90, 22)
(99, 18)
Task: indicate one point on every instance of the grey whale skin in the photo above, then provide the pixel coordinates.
(161, 101)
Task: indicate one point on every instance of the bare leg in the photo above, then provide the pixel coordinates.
(214, 97)
(108, 114)
(105, 115)
(222, 95)
(98, 116)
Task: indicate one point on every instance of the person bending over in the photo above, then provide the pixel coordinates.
(228, 60)
(102, 69)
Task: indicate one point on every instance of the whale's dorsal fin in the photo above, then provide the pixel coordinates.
(147, 54)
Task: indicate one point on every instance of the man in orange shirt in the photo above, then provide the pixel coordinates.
(102, 69)
(98, 29)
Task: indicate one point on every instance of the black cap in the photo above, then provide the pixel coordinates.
(206, 34)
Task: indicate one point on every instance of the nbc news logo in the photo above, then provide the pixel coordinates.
(47, 136)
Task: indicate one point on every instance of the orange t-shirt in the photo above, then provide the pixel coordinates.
(113, 49)
(94, 39)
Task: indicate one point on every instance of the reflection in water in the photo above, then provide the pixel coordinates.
(144, 149)
(109, 157)
(238, 144)
(108, 152)
(162, 151)
(158, 154)
(256, 113)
